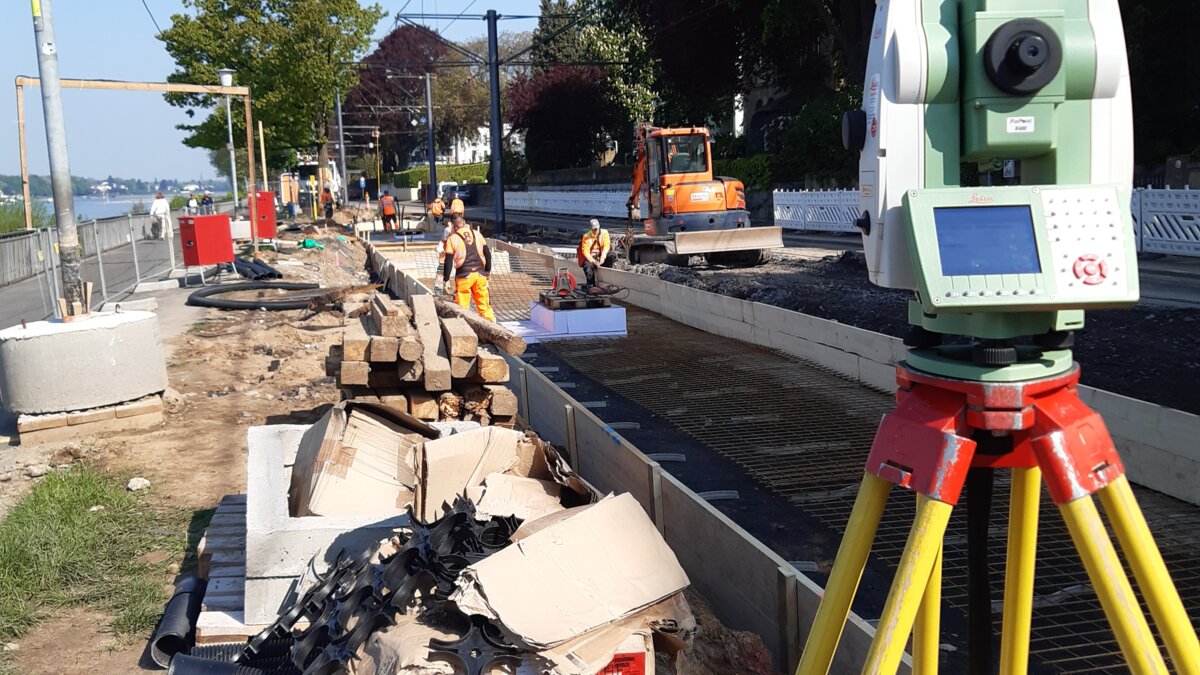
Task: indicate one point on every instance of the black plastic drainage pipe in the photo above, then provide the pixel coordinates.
(178, 621)
(183, 664)
(204, 297)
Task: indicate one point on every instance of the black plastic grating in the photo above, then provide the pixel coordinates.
(804, 432)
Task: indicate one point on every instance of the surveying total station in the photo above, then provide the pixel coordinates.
(1002, 275)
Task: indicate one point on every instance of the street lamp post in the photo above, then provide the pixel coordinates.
(226, 75)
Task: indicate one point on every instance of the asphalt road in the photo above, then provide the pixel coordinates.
(30, 299)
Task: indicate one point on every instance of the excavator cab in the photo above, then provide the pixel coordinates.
(683, 210)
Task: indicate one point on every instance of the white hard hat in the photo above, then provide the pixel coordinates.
(594, 224)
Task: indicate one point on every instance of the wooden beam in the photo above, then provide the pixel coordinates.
(121, 85)
(24, 161)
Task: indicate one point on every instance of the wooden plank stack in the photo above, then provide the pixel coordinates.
(432, 367)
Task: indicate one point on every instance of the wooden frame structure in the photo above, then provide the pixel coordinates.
(165, 87)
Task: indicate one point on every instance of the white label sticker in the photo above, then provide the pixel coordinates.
(699, 196)
(873, 106)
(1021, 125)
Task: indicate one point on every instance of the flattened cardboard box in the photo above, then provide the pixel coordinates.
(504, 472)
(596, 567)
(358, 459)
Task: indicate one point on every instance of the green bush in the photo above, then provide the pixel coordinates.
(12, 216)
(459, 173)
(178, 202)
(754, 172)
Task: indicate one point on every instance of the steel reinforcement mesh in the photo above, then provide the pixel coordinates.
(804, 432)
(514, 282)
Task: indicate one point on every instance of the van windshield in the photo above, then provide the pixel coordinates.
(685, 154)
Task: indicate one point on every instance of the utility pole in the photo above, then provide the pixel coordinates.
(56, 143)
(226, 75)
(341, 147)
(497, 128)
(432, 148)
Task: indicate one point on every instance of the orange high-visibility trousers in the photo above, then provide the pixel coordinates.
(474, 285)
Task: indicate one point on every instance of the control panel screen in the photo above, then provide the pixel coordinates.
(986, 240)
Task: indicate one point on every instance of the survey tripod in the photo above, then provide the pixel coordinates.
(942, 430)
(1036, 96)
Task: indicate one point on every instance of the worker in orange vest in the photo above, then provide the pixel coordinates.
(595, 250)
(456, 207)
(468, 256)
(436, 209)
(387, 208)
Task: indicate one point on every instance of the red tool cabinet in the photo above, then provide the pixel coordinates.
(206, 240)
(265, 203)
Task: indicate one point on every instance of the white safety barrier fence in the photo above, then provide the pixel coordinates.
(1167, 221)
(600, 203)
(819, 210)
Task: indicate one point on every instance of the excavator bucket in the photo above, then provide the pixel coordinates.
(740, 239)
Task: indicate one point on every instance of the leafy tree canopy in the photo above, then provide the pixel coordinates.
(291, 53)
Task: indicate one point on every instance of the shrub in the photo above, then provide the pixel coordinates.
(459, 173)
(754, 172)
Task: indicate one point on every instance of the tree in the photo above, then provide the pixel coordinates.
(1163, 58)
(291, 53)
(554, 45)
(566, 114)
(390, 92)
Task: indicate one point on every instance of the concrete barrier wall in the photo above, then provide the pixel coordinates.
(748, 586)
(1158, 444)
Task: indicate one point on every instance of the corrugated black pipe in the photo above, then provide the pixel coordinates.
(183, 664)
(178, 623)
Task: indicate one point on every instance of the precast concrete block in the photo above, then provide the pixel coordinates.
(56, 366)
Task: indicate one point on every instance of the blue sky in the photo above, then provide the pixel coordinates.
(132, 134)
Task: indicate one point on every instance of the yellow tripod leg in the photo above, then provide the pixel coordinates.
(927, 629)
(1112, 586)
(908, 587)
(848, 566)
(1018, 573)
(1153, 579)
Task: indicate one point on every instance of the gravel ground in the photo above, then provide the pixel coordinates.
(1115, 348)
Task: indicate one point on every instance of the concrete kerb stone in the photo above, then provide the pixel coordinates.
(279, 546)
(142, 305)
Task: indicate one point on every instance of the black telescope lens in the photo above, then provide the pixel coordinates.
(1028, 52)
(1022, 56)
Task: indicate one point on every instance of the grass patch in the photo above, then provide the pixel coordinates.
(55, 552)
(12, 216)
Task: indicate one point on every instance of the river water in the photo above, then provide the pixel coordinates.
(89, 208)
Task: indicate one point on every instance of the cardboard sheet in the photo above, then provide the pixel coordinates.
(595, 568)
(358, 459)
(458, 465)
(526, 498)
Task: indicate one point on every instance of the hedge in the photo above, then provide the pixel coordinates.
(755, 172)
(459, 173)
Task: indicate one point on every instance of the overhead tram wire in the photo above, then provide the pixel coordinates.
(152, 19)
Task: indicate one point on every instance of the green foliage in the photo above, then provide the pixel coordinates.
(12, 216)
(754, 172)
(179, 201)
(459, 173)
(291, 53)
(57, 551)
(516, 167)
(812, 146)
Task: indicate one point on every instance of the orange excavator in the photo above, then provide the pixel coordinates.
(684, 210)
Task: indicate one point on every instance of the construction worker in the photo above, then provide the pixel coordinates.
(456, 207)
(387, 208)
(595, 250)
(436, 209)
(327, 205)
(468, 256)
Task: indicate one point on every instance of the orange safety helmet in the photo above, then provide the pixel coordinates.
(456, 207)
